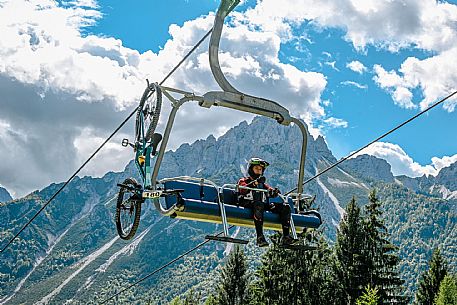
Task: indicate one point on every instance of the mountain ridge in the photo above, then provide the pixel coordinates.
(73, 243)
(4, 195)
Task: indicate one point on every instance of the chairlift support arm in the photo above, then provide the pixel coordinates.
(233, 98)
(229, 98)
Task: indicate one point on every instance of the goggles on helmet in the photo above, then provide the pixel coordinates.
(258, 161)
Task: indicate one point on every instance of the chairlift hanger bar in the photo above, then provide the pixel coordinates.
(229, 98)
(225, 8)
(232, 98)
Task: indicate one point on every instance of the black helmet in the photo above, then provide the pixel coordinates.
(256, 161)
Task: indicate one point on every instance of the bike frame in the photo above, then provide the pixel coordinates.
(143, 149)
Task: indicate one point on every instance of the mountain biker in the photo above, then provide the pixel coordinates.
(258, 203)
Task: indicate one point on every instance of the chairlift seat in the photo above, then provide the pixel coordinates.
(193, 190)
(207, 208)
(230, 197)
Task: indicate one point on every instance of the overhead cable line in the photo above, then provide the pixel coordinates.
(375, 140)
(162, 267)
(68, 181)
(185, 57)
(101, 146)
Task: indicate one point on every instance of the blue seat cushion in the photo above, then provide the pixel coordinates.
(192, 190)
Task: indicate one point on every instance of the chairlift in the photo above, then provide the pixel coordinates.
(198, 198)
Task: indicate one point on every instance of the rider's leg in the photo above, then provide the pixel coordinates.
(258, 210)
(285, 219)
(283, 210)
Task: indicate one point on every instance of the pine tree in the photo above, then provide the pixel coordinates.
(296, 276)
(369, 297)
(234, 279)
(448, 291)
(430, 280)
(191, 298)
(381, 255)
(273, 276)
(211, 300)
(323, 289)
(176, 301)
(351, 262)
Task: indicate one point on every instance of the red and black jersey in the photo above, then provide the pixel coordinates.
(247, 181)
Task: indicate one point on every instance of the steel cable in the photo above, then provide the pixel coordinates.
(375, 140)
(162, 267)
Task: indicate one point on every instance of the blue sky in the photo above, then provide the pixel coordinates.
(351, 69)
(143, 25)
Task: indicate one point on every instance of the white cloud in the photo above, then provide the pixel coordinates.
(386, 79)
(443, 162)
(329, 55)
(402, 163)
(336, 123)
(111, 158)
(332, 64)
(355, 84)
(356, 66)
(435, 76)
(43, 46)
(62, 93)
(394, 84)
(427, 25)
(325, 125)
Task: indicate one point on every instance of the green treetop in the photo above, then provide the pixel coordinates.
(448, 291)
(430, 281)
(351, 265)
(381, 255)
(234, 280)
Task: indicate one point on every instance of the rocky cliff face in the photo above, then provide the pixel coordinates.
(444, 185)
(370, 167)
(448, 177)
(278, 144)
(4, 195)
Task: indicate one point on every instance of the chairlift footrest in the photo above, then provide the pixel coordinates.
(128, 187)
(298, 247)
(227, 239)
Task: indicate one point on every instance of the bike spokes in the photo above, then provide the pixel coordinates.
(128, 208)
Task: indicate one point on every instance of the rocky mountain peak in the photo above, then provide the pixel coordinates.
(4, 195)
(263, 138)
(448, 177)
(211, 138)
(321, 148)
(370, 167)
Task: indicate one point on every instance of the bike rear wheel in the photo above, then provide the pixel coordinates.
(148, 113)
(128, 209)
